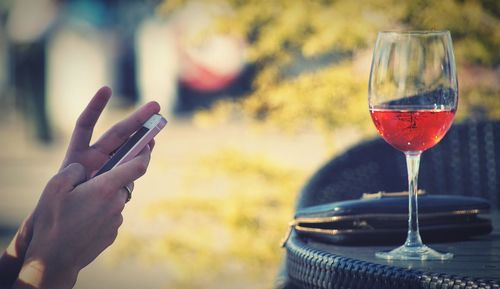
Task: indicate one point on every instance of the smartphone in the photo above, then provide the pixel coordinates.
(135, 143)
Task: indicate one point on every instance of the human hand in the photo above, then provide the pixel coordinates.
(12, 259)
(80, 151)
(74, 222)
(92, 157)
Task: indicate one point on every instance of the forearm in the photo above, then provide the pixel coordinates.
(11, 261)
(42, 274)
(10, 266)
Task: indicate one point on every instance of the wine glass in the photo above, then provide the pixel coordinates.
(413, 95)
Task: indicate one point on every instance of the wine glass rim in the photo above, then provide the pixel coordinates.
(415, 32)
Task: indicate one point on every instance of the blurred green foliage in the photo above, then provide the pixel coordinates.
(312, 60)
(226, 226)
(310, 55)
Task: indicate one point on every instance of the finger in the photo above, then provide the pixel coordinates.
(115, 179)
(128, 189)
(121, 131)
(88, 118)
(74, 174)
(151, 145)
(122, 198)
(68, 178)
(130, 186)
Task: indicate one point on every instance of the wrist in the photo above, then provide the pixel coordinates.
(42, 273)
(11, 261)
(46, 267)
(21, 241)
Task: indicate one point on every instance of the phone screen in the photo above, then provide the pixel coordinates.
(135, 143)
(122, 151)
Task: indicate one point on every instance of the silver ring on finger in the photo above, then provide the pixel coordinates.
(129, 193)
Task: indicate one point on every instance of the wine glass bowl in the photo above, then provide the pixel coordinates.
(412, 130)
(413, 96)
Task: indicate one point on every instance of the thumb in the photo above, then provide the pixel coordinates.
(68, 178)
(120, 176)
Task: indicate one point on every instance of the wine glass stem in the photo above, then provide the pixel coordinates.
(412, 163)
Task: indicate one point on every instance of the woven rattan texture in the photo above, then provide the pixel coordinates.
(315, 269)
(465, 162)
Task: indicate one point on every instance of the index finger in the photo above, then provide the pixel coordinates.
(121, 131)
(85, 124)
(118, 177)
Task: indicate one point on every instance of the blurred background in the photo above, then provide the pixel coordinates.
(259, 94)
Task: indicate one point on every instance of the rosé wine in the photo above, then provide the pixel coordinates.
(412, 130)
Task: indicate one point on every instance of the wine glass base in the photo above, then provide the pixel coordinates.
(413, 253)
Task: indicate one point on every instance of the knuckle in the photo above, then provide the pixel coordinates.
(71, 174)
(114, 202)
(120, 205)
(115, 226)
(57, 182)
(111, 237)
(115, 234)
(141, 168)
(118, 221)
(76, 168)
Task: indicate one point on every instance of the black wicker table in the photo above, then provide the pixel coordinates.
(476, 264)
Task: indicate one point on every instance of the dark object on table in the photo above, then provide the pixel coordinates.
(384, 221)
(466, 162)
